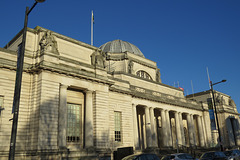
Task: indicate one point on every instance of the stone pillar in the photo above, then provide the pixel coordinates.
(164, 129)
(230, 132)
(89, 120)
(182, 130)
(207, 124)
(237, 123)
(135, 127)
(148, 128)
(204, 131)
(153, 128)
(190, 130)
(193, 130)
(178, 129)
(62, 116)
(200, 131)
(168, 128)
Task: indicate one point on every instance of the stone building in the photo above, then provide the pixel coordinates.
(79, 100)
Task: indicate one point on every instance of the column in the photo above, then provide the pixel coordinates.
(181, 127)
(168, 128)
(153, 128)
(237, 123)
(178, 129)
(164, 129)
(62, 116)
(193, 130)
(135, 127)
(230, 132)
(200, 131)
(89, 120)
(207, 124)
(148, 128)
(190, 130)
(204, 131)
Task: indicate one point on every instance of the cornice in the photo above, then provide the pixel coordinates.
(72, 71)
(41, 29)
(124, 56)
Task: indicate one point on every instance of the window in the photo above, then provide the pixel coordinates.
(144, 74)
(73, 122)
(117, 120)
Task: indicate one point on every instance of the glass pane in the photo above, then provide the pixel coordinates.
(117, 120)
(73, 122)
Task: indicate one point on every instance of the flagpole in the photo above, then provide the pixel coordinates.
(208, 78)
(192, 88)
(92, 28)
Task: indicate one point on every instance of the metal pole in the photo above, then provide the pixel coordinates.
(18, 82)
(92, 19)
(219, 133)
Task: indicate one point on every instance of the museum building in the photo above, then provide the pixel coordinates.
(79, 101)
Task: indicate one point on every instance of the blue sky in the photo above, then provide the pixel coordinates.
(184, 37)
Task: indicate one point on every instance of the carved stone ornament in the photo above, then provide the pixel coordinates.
(48, 43)
(232, 103)
(219, 100)
(98, 59)
(158, 79)
(130, 67)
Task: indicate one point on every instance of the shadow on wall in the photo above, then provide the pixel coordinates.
(233, 131)
(39, 138)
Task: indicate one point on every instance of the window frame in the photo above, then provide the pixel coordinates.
(80, 129)
(143, 74)
(118, 121)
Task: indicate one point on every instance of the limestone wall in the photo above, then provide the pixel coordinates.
(48, 113)
(7, 85)
(101, 119)
(121, 103)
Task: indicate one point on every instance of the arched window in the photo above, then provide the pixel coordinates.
(143, 74)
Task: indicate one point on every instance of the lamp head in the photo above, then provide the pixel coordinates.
(224, 80)
(40, 1)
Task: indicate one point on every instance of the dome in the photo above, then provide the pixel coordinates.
(119, 46)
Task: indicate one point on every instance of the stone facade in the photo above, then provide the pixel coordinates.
(110, 100)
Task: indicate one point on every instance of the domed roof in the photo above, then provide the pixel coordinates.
(119, 46)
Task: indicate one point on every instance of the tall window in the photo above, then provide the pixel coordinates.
(117, 119)
(73, 122)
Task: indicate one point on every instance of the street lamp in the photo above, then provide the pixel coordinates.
(219, 133)
(18, 82)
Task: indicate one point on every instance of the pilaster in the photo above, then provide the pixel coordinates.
(89, 120)
(62, 118)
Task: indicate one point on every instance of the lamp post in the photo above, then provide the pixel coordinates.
(18, 82)
(219, 133)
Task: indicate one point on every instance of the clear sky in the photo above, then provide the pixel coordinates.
(184, 37)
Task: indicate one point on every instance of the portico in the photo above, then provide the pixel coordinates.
(163, 128)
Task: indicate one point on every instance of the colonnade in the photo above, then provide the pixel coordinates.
(177, 128)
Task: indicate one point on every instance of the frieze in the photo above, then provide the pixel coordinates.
(164, 98)
(140, 90)
(156, 94)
